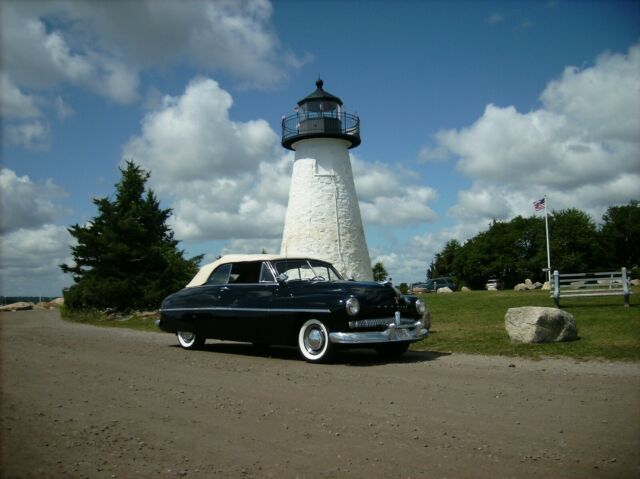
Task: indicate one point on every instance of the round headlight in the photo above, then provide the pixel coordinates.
(353, 306)
(420, 306)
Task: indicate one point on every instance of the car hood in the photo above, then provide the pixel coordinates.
(372, 296)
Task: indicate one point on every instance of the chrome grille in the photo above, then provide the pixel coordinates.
(370, 323)
(379, 322)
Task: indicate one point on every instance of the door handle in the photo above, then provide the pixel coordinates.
(224, 288)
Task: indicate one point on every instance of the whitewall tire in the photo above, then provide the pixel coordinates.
(189, 340)
(314, 343)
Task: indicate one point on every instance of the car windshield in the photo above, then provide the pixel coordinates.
(306, 270)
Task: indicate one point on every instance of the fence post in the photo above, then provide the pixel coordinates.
(556, 288)
(625, 286)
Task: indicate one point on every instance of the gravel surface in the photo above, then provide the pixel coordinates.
(82, 401)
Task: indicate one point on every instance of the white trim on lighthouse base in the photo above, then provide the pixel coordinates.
(323, 217)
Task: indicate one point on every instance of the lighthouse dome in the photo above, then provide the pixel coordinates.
(320, 115)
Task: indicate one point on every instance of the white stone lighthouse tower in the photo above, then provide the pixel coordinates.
(323, 216)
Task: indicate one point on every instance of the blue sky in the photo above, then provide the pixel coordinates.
(470, 111)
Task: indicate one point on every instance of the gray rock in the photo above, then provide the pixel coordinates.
(528, 283)
(537, 285)
(520, 287)
(465, 289)
(546, 286)
(58, 302)
(20, 306)
(534, 324)
(444, 290)
(635, 282)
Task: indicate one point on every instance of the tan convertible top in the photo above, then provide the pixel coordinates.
(203, 275)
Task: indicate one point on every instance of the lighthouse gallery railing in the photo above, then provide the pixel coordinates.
(305, 124)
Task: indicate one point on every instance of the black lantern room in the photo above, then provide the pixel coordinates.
(320, 115)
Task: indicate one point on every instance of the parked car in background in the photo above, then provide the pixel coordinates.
(433, 285)
(303, 302)
(493, 284)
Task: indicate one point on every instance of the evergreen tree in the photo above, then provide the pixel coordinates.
(126, 257)
(379, 272)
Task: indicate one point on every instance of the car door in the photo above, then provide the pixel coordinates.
(206, 300)
(244, 302)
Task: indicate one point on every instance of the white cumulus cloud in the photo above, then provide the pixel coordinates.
(192, 137)
(29, 263)
(581, 147)
(31, 247)
(27, 204)
(388, 196)
(104, 47)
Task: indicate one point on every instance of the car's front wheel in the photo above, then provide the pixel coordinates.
(392, 350)
(189, 340)
(314, 343)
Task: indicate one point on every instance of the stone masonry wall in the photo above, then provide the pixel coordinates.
(323, 217)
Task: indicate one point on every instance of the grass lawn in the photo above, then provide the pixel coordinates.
(98, 318)
(473, 322)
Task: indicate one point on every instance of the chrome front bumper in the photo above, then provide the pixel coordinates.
(393, 333)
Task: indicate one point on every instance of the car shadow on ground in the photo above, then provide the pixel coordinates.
(348, 357)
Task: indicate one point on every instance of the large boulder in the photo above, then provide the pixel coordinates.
(635, 282)
(520, 287)
(534, 324)
(465, 289)
(444, 290)
(529, 284)
(19, 306)
(546, 286)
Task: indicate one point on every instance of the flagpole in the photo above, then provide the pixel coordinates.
(546, 226)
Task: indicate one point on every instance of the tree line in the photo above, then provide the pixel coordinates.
(515, 250)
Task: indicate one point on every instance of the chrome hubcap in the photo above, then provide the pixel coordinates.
(186, 336)
(315, 340)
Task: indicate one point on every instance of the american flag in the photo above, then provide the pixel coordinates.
(539, 205)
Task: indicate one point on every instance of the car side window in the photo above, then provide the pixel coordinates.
(295, 269)
(244, 273)
(324, 270)
(220, 275)
(266, 276)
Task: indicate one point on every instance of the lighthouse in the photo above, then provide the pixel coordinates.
(323, 216)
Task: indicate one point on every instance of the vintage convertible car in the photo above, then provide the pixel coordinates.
(270, 299)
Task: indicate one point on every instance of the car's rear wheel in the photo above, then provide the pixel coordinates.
(190, 340)
(314, 343)
(392, 350)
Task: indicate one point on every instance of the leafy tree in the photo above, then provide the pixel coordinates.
(379, 272)
(126, 257)
(442, 265)
(620, 236)
(510, 251)
(574, 242)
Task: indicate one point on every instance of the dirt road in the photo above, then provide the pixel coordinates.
(80, 401)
